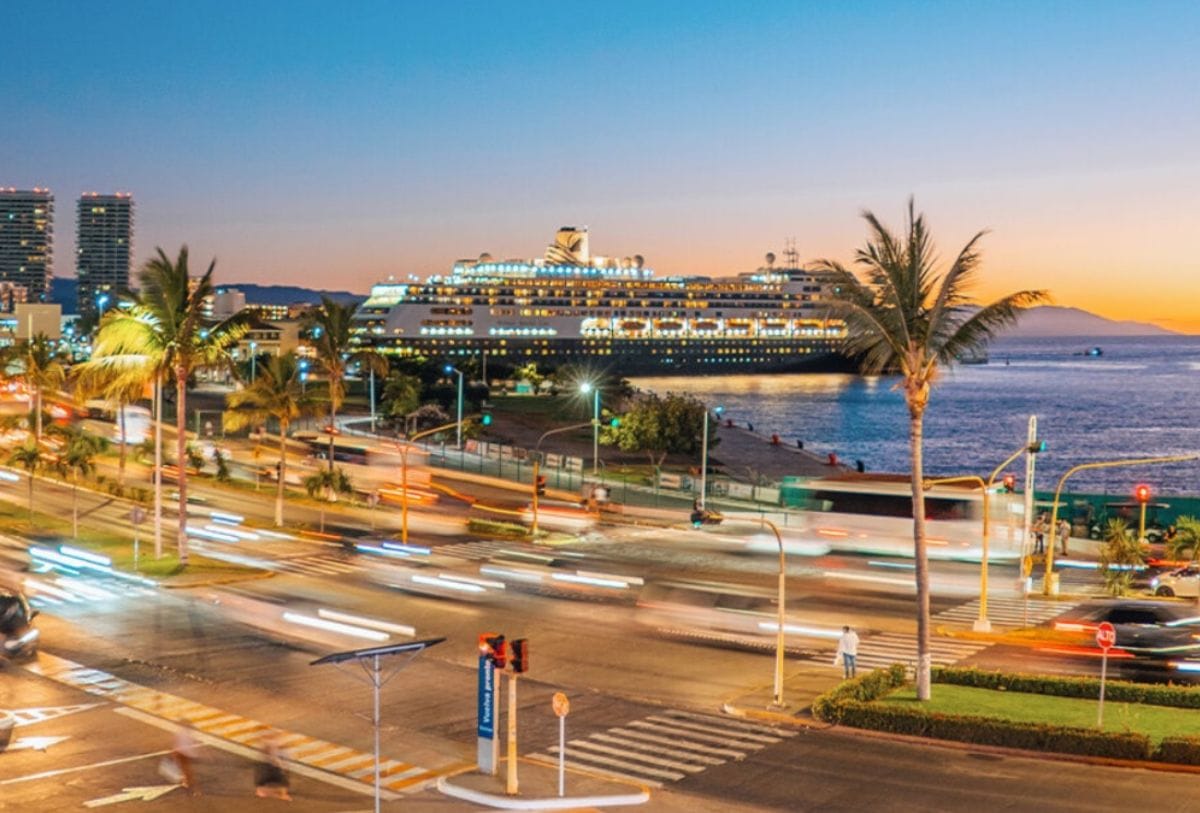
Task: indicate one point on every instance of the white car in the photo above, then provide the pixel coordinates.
(1182, 582)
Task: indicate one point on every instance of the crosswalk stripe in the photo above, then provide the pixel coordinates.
(633, 742)
(634, 767)
(570, 762)
(590, 744)
(742, 724)
(678, 743)
(741, 737)
(681, 732)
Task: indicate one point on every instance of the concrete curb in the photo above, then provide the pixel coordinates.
(504, 802)
(774, 717)
(217, 581)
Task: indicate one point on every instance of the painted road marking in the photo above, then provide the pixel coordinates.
(61, 771)
(147, 793)
(221, 724)
(1007, 611)
(40, 715)
(887, 648)
(666, 747)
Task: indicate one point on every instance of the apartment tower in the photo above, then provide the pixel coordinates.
(103, 249)
(27, 239)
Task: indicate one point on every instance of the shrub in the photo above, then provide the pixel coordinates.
(1184, 750)
(1086, 687)
(871, 686)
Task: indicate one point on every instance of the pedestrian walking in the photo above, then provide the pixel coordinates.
(270, 779)
(847, 652)
(1039, 534)
(1064, 533)
(183, 752)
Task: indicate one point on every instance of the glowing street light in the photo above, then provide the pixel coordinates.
(253, 359)
(448, 370)
(585, 388)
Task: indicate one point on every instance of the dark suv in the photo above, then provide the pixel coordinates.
(1145, 629)
(16, 625)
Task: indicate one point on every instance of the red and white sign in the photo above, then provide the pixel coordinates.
(1106, 635)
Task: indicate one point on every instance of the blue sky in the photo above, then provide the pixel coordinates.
(332, 144)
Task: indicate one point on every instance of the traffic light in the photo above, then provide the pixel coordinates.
(520, 655)
(1038, 446)
(615, 422)
(540, 486)
(1141, 493)
(1010, 483)
(492, 645)
(486, 420)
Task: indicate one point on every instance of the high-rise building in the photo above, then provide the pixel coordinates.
(27, 239)
(104, 249)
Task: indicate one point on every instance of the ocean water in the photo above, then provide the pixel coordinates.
(1141, 398)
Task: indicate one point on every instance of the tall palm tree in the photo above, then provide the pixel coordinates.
(39, 369)
(30, 457)
(78, 459)
(908, 319)
(277, 392)
(166, 331)
(330, 332)
(121, 390)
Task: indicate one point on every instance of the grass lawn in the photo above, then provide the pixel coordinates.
(1154, 721)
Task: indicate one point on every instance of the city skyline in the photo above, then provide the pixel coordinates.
(295, 143)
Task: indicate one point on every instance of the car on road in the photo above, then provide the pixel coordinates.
(17, 632)
(1145, 629)
(6, 728)
(1183, 582)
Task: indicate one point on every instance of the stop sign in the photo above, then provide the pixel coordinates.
(1106, 635)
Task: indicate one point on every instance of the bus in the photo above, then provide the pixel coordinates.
(136, 423)
(360, 451)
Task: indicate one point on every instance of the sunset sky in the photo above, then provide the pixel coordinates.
(330, 145)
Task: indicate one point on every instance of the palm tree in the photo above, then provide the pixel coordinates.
(906, 318)
(78, 460)
(120, 390)
(30, 457)
(165, 331)
(330, 332)
(1119, 554)
(328, 483)
(277, 392)
(39, 369)
(1186, 538)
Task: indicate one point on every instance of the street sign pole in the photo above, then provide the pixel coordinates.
(510, 783)
(562, 706)
(1106, 636)
(488, 747)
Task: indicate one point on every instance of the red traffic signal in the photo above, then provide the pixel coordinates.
(1141, 493)
(1010, 483)
(541, 485)
(491, 645)
(520, 655)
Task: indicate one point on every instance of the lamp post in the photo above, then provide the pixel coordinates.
(537, 461)
(448, 369)
(253, 359)
(403, 448)
(1046, 586)
(585, 388)
(982, 624)
(780, 620)
(101, 301)
(704, 454)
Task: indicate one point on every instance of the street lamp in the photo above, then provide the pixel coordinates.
(404, 447)
(585, 388)
(253, 359)
(704, 454)
(448, 369)
(101, 301)
(1047, 585)
(780, 621)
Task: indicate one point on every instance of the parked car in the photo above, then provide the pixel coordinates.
(17, 632)
(1145, 629)
(1184, 581)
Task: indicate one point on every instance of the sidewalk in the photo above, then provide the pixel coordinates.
(800, 689)
(538, 788)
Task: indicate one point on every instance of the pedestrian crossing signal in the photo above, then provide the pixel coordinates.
(1010, 483)
(541, 485)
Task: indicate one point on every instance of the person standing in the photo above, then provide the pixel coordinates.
(1039, 534)
(184, 752)
(847, 652)
(270, 779)
(1064, 532)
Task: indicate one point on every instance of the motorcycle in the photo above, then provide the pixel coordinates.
(701, 517)
(19, 636)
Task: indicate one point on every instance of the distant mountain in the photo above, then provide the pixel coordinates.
(64, 291)
(1052, 320)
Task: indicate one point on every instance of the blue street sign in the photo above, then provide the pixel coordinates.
(487, 701)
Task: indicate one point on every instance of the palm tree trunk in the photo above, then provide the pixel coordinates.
(181, 458)
(282, 473)
(121, 456)
(924, 657)
(75, 507)
(332, 427)
(31, 497)
(37, 414)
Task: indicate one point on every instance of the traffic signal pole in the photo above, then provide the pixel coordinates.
(510, 781)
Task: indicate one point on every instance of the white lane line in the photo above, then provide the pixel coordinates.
(256, 755)
(637, 745)
(675, 742)
(642, 759)
(739, 737)
(681, 732)
(77, 768)
(637, 769)
(721, 721)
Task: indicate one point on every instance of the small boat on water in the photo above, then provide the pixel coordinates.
(1091, 352)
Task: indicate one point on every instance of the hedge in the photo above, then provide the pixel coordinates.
(1086, 687)
(1184, 750)
(871, 686)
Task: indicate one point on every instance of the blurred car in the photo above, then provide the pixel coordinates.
(6, 728)
(1184, 581)
(567, 574)
(19, 636)
(1145, 629)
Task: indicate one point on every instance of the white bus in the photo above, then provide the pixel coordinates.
(136, 422)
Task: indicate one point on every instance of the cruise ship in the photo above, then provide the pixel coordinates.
(573, 307)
